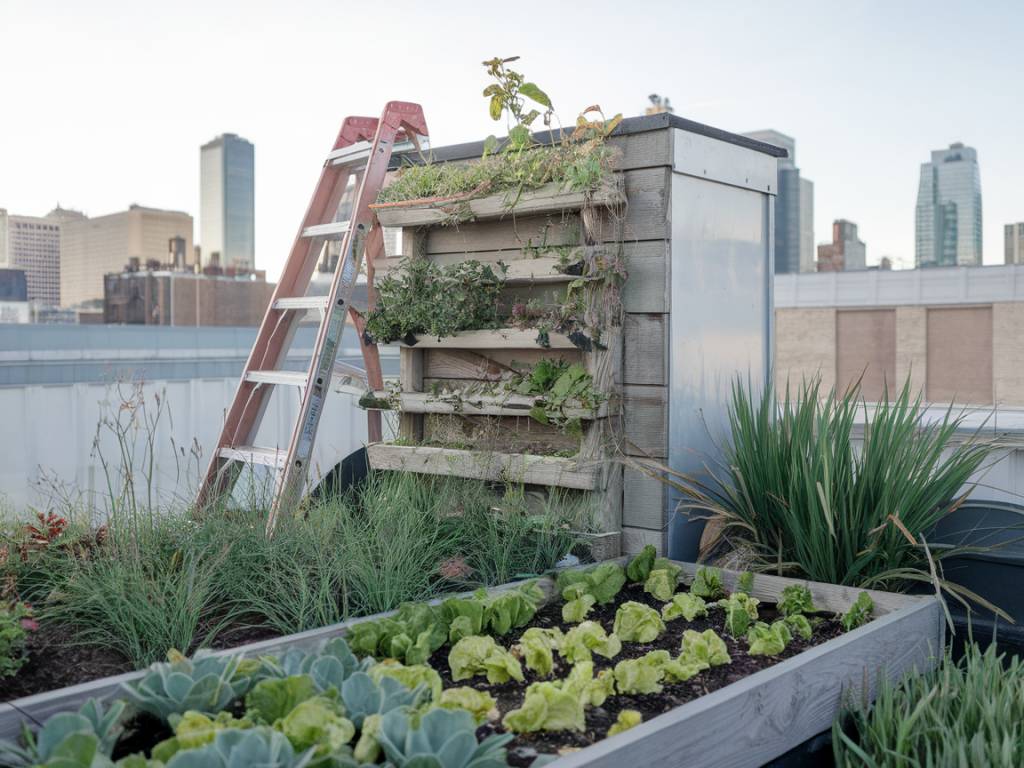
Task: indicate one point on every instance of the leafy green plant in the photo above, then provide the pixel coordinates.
(705, 647)
(800, 625)
(69, 739)
(586, 638)
(965, 712)
(272, 699)
(478, 703)
(536, 647)
(685, 605)
(603, 582)
(557, 385)
(574, 611)
(626, 719)
(204, 683)
(480, 655)
(640, 565)
(860, 612)
(15, 623)
(412, 677)
(441, 739)
(252, 746)
(422, 297)
(740, 611)
(547, 707)
(663, 579)
(707, 583)
(642, 675)
(637, 623)
(193, 730)
(768, 640)
(796, 599)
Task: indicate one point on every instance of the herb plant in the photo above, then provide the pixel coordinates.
(15, 623)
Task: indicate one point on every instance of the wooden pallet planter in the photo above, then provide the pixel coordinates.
(480, 405)
(486, 465)
(761, 716)
(550, 198)
(507, 338)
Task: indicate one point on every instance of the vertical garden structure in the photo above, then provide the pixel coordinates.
(688, 212)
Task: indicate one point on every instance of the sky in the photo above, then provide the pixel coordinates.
(107, 102)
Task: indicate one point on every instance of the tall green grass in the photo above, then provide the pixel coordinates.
(796, 496)
(966, 713)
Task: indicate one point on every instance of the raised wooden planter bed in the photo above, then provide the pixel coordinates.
(746, 723)
(509, 338)
(483, 465)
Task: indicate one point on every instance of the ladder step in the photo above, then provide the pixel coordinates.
(251, 454)
(357, 154)
(334, 230)
(287, 378)
(301, 302)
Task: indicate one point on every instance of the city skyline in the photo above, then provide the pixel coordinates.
(864, 159)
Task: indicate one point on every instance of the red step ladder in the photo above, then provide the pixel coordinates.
(363, 150)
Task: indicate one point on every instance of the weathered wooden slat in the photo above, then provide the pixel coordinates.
(503, 434)
(493, 365)
(477, 404)
(510, 338)
(635, 539)
(647, 287)
(646, 360)
(646, 420)
(495, 467)
(643, 150)
(643, 501)
(551, 198)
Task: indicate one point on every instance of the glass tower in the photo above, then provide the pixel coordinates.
(948, 222)
(227, 203)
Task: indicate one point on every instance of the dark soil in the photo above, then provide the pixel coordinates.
(525, 747)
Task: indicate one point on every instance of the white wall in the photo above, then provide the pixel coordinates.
(51, 430)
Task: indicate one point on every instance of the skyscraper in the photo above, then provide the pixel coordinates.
(32, 243)
(845, 252)
(227, 203)
(794, 209)
(1014, 235)
(948, 222)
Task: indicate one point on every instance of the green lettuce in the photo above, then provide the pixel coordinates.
(367, 749)
(588, 637)
(409, 676)
(705, 647)
(605, 581)
(478, 703)
(193, 730)
(707, 583)
(514, 608)
(480, 655)
(547, 707)
(465, 617)
(536, 648)
(642, 675)
(317, 722)
(637, 623)
(593, 691)
(795, 599)
(662, 582)
(272, 699)
(575, 611)
(768, 640)
(860, 612)
(800, 625)
(684, 605)
(740, 612)
(628, 718)
(639, 567)
(682, 669)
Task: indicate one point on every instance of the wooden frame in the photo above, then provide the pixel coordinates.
(507, 338)
(743, 724)
(508, 404)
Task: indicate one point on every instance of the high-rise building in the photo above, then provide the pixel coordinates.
(845, 252)
(1014, 236)
(227, 210)
(32, 243)
(794, 208)
(92, 248)
(948, 221)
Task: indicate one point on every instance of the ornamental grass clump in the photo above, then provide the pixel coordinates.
(964, 713)
(796, 496)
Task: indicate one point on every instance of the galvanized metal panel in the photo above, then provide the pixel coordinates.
(721, 319)
(713, 160)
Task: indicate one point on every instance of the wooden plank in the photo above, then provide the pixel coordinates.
(410, 425)
(494, 467)
(646, 343)
(502, 434)
(643, 501)
(635, 539)
(551, 198)
(647, 287)
(492, 365)
(781, 706)
(646, 420)
(510, 338)
(643, 150)
(480, 404)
